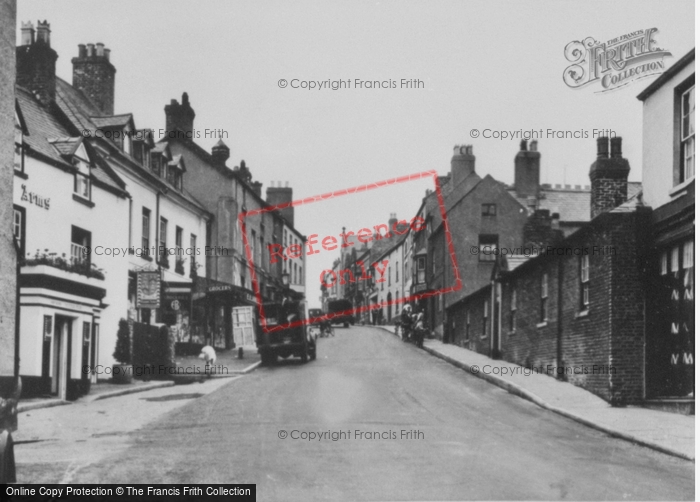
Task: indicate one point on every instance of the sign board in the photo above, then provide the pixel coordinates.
(148, 290)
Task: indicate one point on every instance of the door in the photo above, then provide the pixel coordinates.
(61, 359)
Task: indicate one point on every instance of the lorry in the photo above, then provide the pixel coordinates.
(340, 312)
(285, 333)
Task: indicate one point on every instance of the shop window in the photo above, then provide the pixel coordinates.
(180, 257)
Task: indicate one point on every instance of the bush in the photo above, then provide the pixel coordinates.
(154, 347)
(122, 352)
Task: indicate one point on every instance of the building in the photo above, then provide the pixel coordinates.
(572, 304)
(71, 297)
(226, 297)
(9, 334)
(668, 177)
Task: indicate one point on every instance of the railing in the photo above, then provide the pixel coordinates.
(79, 253)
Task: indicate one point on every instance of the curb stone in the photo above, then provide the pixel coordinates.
(132, 390)
(21, 408)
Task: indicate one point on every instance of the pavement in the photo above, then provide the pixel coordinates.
(228, 365)
(371, 418)
(670, 433)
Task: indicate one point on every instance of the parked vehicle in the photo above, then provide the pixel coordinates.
(338, 311)
(284, 339)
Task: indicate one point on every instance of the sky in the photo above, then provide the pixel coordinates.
(484, 65)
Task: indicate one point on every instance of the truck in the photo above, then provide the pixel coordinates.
(286, 333)
(340, 312)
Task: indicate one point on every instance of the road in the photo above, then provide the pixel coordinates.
(467, 439)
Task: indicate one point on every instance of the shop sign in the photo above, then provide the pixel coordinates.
(148, 290)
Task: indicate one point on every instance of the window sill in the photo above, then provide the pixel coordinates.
(83, 201)
(541, 324)
(511, 333)
(146, 257)
(675, 191)
(583, 313)
(21, 174)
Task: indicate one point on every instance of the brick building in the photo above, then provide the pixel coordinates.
(572, 306)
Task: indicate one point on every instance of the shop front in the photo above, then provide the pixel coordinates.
(59, 322)
(225, 315)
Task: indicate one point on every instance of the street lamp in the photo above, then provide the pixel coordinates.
(285, 279)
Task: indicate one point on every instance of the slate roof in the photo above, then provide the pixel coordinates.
(113, 121)
(48, 135)
(573, 204)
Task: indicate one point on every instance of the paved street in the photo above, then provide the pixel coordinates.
(475, 440)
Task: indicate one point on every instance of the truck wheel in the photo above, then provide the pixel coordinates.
(346, 325)
(312, 353)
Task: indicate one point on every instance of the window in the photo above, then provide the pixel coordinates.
(163, 243)
(688, 134)
(18, 228)
(513, 308)
(81, 186)
(488, 209)
(253, 250)
(488, 247)
(485, 323)
(175, 177)
(544, 294)
(301, 275)
(19, 149)
(466, 334)
(584, 283)
(421, 269)
(80, 246)
(156, 163)
(396, 310)
(663, 263)
(389, 276)
(145, 231)
(674, 259)
(179, 258)
(193, 248)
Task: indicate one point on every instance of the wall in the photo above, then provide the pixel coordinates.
(658, 140)
(8, 285)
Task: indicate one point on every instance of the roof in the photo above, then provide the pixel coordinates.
(572, 203)
(113, 120)
(667, 75)
(48, 136)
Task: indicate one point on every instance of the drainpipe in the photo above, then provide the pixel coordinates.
(560, 323)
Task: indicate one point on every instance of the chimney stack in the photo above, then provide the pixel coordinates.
(392, 220)
(527, 170)
(36, 62)
(462, 164)
(94, 75)
(257, 188)
(608, 176)
(179, 116)
(220, 154)
(281, 195)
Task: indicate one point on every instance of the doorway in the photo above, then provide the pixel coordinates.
(61, 356)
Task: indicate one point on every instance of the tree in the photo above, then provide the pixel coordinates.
(122, 352)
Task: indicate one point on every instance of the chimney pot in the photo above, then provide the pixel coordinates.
(602, 147)
(43, 32)
(533, 145)
(107, 53)
(82, 51)
(100, 49)
(27, 33)
(616, 147)
(90, 50)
